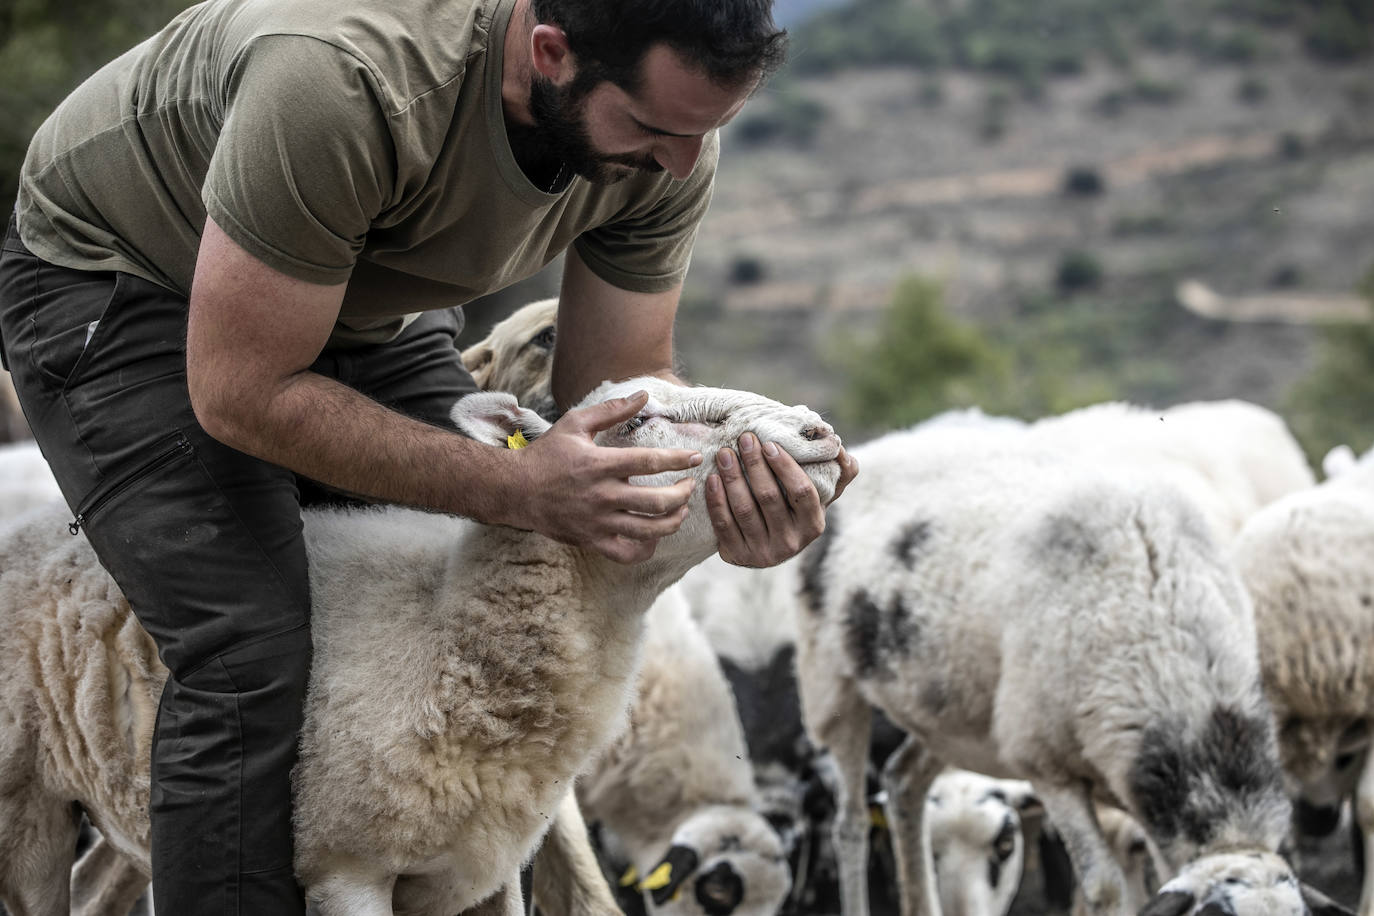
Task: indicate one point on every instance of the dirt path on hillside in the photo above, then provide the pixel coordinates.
(759, 215)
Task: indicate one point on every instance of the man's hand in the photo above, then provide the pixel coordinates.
(579, 493)
(766, 510)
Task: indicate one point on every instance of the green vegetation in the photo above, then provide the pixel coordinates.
(1334, 403)
(781, 115)
(47, 47)
(1028, 42)
(1078, 270)
(920, 360)
(1055, 354)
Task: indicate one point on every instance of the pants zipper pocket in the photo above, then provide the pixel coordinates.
(93, 503)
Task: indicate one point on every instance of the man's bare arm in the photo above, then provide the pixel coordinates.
(254, 332)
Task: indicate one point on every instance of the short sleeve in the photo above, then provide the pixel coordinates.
(305, 159)
(649, 251)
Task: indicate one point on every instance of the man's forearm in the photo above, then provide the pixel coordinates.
(328, 432)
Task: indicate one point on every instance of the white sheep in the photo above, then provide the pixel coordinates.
(1130, 846)
(13, 426)
(1306, 561)
(517, 356)
(25, 480)
(974, 834)
(1024, 614)
(677, 789)
(679, 777)
(463, 676)
(1229, 457)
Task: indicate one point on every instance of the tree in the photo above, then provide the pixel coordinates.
(1334, 403)
(920, 362)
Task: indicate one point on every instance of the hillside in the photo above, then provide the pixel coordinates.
(1253, 178)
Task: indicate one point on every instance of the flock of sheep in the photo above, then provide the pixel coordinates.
(1135, 633)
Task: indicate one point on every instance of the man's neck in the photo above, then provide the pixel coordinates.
(541, 166)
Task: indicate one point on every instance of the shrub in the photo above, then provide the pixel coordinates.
(1078, 271)
(1252, 90)
(1083, 180)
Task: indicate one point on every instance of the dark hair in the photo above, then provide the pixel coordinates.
(728, 40)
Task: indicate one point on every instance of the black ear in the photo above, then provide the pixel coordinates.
(1318, 904)
(1169, 903)
(720, 890)
(667, 876)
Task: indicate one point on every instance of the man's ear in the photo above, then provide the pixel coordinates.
(495, 418)
(551, 54)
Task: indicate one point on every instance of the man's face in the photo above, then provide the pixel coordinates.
(605, 134)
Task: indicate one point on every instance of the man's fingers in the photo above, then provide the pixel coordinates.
(763, 483)
(800, 492)
(728, 537)
(652, 500)
(751, 523)
(639, 461)
(647, 527)
(625, 550)
(594, 419)
(849, 469)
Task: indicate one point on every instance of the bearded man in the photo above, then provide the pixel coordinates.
(232, 273)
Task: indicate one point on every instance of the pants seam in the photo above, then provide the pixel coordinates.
(275, 634)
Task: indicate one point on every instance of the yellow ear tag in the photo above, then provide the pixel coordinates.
(630, 877)
(517, 441)
(661, 877)
(876, 817)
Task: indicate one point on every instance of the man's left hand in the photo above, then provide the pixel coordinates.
(763, 507)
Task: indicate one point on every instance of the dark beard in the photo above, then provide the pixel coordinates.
(558, 143)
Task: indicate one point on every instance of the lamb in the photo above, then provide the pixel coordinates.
(975, 838)
(25, 481)
(440, 736)
(1027, 615)
(696, 797)
(517, 356)
(677, 790)
(1230, 457)
(1305, 561)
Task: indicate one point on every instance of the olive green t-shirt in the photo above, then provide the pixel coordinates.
(336, 141)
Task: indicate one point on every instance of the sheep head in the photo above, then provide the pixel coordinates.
(517, 356)
(1240, 884)
(974, 826)
(678, 416)
(723, 861)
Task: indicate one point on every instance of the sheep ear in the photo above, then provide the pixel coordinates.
(1024, 800)
(477, 359)
(1340, 459)
(495, 418)
(1318, 904)
(664, 882)
(1169, 903)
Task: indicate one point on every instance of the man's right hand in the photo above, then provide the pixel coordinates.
(577, 492)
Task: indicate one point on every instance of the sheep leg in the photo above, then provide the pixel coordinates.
(36, 862)
(105, 882)
(567, 877)
(843, 734)
(353, 894)
(907, 776)
(505, 902)
(1100, 879)
(1364, 816)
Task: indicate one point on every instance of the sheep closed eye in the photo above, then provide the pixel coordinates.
(544, 339)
